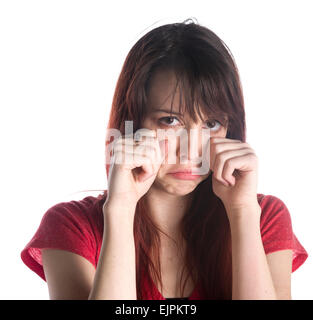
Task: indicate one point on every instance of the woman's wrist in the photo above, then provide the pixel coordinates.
(245, 217)
(117, 213)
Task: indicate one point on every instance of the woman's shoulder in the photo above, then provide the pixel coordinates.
(85, 213)
(273, 210)
(271, 205)
(266, 197)
(75, 226)
(277, 230)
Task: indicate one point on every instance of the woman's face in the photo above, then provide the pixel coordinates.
(159, 97)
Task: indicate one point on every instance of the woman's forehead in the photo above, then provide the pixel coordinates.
(166, 94)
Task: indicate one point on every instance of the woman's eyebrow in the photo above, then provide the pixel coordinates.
(173, 112)
(167, 111)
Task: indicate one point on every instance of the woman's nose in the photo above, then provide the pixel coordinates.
(192, 142)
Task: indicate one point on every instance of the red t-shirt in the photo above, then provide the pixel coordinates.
(77, 226)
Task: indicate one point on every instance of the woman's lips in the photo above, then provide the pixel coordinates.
(184, 175)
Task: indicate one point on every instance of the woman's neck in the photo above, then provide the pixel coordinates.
(167, 211)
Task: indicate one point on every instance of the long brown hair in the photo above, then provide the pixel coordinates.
(209, 81)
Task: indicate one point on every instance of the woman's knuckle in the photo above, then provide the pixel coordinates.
(221, 158)
(218, 148)
(253, 156)
(227, 163)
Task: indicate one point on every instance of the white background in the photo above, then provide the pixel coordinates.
(59, 63)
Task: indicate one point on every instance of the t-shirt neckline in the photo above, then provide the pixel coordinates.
(155, 288)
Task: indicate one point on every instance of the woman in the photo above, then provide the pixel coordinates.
(154, 234)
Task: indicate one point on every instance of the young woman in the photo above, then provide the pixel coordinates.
(156, 234)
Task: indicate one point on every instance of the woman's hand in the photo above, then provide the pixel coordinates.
(134, 166)
(235, 172)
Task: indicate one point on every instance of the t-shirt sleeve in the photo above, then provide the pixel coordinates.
(64, 226)
(276, 230)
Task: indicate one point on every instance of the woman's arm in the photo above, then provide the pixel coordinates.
(69, 276)
(235, 177)
(115, 278)
(72, 277)
(252, 273)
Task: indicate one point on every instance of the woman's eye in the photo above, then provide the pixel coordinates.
(212, 124)
(166, 120)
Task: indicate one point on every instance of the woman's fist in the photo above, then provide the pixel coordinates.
(134, 167)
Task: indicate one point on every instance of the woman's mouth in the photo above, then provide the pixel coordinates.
(184, 175)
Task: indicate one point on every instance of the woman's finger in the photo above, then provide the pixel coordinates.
(244, 162)
(145, 164)
(217, 148)
(143, 149)
(220, 160)
(129, 145)
(221, 139)
(131, 142)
